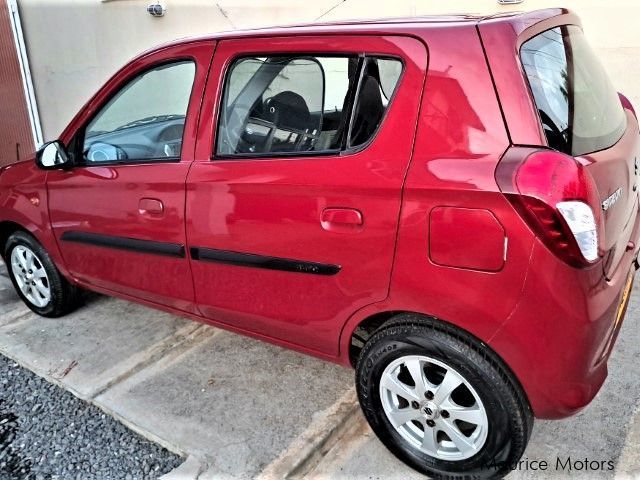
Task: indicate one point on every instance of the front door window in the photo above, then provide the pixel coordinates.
(144, 121)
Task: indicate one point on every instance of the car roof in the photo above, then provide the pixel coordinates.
(379, 26)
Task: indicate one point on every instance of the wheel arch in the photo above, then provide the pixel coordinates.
(42, 236)
(365, 323)
(357, 332)
(7, 228)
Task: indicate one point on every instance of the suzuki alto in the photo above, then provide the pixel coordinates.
(447, 204)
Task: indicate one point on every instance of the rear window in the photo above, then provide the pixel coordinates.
(304, 104)
(579, 109)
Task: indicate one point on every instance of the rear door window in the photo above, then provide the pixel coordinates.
(578, 106)
(303, 104)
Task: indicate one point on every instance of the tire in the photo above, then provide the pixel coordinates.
(493, 442)
(62, 298)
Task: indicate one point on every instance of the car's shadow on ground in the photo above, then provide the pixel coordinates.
(89, 299)
(9, 299)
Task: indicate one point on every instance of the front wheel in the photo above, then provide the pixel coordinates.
(36, 279)
(440, 401)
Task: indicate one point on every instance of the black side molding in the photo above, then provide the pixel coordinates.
(124, 243)
(261, 261)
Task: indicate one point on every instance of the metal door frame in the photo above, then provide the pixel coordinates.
(25, 71)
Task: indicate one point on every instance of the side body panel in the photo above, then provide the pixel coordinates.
(103, 202)
(460, 139)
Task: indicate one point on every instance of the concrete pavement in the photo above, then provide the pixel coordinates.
(233, 405)
(238, 408)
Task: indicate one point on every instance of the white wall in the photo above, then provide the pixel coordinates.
(75, 45)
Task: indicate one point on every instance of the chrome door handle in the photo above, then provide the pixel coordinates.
(345, 220)
(150, 206)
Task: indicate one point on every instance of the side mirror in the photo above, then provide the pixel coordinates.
(52, 155)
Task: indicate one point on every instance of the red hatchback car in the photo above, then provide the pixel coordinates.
(448, 204)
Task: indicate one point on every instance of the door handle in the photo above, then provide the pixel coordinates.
(150, 206)
(345, 220)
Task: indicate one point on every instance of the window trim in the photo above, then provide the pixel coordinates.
(344, 149)
(357, 149)
(346, 139)
(76, 144)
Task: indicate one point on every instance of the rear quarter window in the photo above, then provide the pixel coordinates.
(579, 108)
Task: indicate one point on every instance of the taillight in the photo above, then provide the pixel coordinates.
(558, 199)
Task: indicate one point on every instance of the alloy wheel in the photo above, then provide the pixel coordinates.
(31, 276)
(433, 407)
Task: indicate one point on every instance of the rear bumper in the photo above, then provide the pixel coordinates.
(560, 335)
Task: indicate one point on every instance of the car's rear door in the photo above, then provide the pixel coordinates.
(118, 214)
(294, 195)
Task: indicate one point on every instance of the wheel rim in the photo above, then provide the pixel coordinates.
(433, 407)
(31, 276)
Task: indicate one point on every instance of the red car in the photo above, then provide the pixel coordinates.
(448, 204)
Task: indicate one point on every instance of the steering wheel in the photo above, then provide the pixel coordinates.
(235, 127)
(555, 136)
(105, 152)
(238, 132)
(272, 127)
(169, 141)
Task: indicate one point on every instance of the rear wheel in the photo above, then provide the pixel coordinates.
(440, 401)
(36, 279)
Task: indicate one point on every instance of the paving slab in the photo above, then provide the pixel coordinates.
(629, 464)
(10, 304)
(191, 469)
(303, 454)
(234, 401)
(601, 432)
(230, 404)
(90, 348)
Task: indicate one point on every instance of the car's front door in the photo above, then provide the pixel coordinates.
(294, 195)
(118, 214)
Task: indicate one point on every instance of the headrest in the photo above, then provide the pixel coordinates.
(287, 110)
